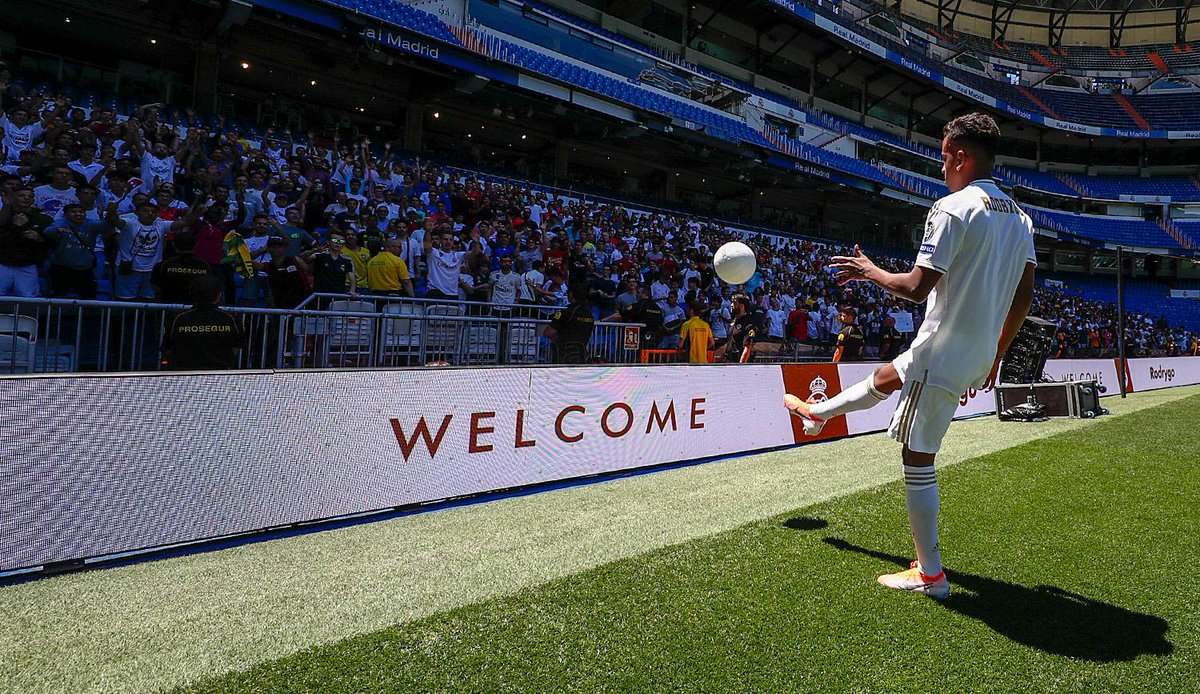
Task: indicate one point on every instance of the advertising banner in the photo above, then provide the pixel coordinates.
(1164, 372)
(1102, 371)
(98, 465)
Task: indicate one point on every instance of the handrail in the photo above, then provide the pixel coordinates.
(298, 312)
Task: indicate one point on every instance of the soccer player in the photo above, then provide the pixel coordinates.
(975, 266)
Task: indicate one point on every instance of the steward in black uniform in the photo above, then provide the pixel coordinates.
(204, 338)
(571, 328)
(890, 340)
(743, 330)
(173, 277)
(850, 339)
(649, 313)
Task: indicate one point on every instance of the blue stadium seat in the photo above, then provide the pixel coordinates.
(1126, 231)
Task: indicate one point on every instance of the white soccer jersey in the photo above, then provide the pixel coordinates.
(980, 241)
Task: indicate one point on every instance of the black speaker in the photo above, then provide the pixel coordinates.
(1025, 360)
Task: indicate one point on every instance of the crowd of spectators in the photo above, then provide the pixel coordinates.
(145, 203)
(1088, 328)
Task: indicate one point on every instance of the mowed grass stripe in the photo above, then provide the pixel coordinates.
(164, 623)
(1073, 560)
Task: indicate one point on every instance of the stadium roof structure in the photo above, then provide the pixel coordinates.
(1059, 16)
(1095, 6)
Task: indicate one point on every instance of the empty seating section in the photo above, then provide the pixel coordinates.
(1185, 57)
(838, 124)
(616, 38)
(401, 14)
(1176, 111)
(1093, 109)
(1035, 180)
(1190, 228)
(1113, 187)
(1127, 231)
(918, 185)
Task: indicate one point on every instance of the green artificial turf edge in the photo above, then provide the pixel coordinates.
(1071, 557)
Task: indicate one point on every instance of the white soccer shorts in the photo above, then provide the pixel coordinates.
(923, 416)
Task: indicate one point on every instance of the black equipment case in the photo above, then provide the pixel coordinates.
(1066, 399)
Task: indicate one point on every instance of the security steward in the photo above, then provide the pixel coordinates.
(172, 278)
(571, 328)
(647, 312)
(890, 340)
(850, 339)
(743, 331)
(203, 338)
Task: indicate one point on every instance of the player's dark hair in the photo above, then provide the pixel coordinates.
(977, 131)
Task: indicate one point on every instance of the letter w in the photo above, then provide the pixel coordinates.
(432, 445)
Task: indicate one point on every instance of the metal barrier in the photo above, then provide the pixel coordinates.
(63, 335)
(317, 300)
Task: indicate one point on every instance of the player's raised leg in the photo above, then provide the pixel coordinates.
(861, 396)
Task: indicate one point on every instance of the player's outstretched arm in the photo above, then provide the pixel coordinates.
(913, 285)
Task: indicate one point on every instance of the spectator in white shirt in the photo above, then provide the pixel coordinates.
(506, 286)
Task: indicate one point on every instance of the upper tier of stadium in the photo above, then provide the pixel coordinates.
(1147, 91)
(537, 47)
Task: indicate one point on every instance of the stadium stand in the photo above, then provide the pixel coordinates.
(1153, 311)
(791, 277)
(711, 121)
(1036, 180)
(1178, 188)
(1190, 229)
(1127, 231)
(1081, 107)
(726, 126)
(1171, 111)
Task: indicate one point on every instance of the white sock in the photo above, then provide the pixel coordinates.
(921, 499)
(860, 396)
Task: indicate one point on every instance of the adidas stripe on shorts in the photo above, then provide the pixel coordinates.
(923, 416)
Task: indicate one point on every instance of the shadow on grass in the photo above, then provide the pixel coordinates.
(805, 523)
(1047, 618)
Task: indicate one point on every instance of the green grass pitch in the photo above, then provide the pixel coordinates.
(1073, 561)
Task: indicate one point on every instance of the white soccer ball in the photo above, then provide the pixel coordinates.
(734, 262)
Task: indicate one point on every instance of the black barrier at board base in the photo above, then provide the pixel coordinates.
(62, 567)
